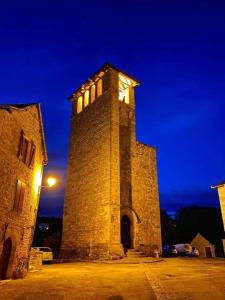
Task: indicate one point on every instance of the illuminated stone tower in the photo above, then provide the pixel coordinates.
(111, 198)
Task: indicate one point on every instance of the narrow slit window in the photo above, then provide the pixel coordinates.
(86, 98)
(99, 87)
(93, 91)
(79, 104)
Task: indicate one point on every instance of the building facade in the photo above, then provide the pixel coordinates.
(221, 192)
(23, 155)
(205, 248)
(111, 198)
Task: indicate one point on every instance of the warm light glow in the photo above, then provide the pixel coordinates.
(51, 181)
(37, 181)
(99, 87)
(124, 85)
(86, 98)
(92, 93)
(79, 104)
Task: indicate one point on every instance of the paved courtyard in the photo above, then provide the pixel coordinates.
(188, 278)
(84, 281)
(178, 278)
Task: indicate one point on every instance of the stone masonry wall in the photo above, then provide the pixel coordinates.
(146, 199)
(19, 225)
(90, 210)
(109, 174)
(116, 249)
(221, 192)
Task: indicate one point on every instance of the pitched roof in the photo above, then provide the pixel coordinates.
(218, 185)
(202, 237)
(105, 67)
(23, 106)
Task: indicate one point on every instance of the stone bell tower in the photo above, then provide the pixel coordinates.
(111, 198)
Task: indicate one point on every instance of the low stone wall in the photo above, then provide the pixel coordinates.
(35, 261)
(150, 250)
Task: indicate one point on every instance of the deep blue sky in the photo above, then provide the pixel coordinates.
(175, 48)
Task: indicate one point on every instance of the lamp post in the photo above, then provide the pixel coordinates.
(51, 181)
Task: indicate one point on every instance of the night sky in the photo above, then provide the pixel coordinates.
(175, 48)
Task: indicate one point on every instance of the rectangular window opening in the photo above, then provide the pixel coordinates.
(86, 98)
(19, 197)
(93, 91)
(99, 87)
(79, 104)
(124, 89)
(24, 149)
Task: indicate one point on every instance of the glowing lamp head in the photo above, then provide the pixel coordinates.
(51, 181)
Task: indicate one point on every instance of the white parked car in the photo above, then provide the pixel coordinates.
(47, 254)
(183, 249)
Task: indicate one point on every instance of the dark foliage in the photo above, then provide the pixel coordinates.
(50, 237)
(189, 222)
(168, 228)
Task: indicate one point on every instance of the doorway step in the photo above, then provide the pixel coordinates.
(133, 253)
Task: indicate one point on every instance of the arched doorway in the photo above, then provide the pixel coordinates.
(4, 259)
(126, 232)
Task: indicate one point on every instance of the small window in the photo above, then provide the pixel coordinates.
(86, 98)
(99, 87)
(124, 86)
(79, 104)
(23, 147)
(26, 150)
(19, 197)
(93, 91)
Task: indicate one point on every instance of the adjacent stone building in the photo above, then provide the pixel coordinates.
(111, 198)
(22, 157)
(205, 248)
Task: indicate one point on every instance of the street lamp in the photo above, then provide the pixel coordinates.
(51, 181)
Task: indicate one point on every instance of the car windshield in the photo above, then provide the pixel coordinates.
(45, 249)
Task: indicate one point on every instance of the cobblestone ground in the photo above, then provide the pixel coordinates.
(81, 281)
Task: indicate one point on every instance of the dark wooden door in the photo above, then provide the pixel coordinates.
(208, 252)
(4, 259)
(125, 232)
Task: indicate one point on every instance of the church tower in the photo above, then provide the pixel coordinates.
(111, 198)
